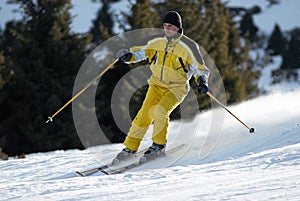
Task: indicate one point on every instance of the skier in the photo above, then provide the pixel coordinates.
(174, 59)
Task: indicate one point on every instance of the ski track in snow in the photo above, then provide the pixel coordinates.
(242, 166)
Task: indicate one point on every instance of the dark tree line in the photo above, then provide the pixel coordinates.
(40, 57)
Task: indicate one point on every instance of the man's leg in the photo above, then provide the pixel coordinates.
(143, 119)
(161, 115)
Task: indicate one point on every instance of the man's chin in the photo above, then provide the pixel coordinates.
(170, 34)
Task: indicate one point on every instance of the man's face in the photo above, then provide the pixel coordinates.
(170, 29)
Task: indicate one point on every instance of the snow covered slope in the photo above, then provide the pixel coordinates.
(285, 14)
(242, 166)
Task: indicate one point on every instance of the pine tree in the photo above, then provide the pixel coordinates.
(102, 28)
(248, 28)
(276, 44)
(143, 15)
(291, 58)
(45, 59)
(2, 81)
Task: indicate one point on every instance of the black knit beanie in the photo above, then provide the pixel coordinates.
(174, 18)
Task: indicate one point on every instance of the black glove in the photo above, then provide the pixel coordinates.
(124, 55)
(202, 85)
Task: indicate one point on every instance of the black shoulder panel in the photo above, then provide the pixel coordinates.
(194, 47)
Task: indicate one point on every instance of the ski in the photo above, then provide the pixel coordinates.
(108, 165)
(93, 170)
(137, 163)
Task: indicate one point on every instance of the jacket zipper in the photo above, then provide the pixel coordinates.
(163, 64)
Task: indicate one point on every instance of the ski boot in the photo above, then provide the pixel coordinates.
(154, 151)
(125, 154)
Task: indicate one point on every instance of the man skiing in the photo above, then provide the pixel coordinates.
(174, 59)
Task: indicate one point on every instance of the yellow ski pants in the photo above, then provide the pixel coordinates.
(157, 106)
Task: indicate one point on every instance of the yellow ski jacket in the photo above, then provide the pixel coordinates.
(173, 60)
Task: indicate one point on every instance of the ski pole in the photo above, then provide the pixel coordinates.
(50, 119)
(251, 130)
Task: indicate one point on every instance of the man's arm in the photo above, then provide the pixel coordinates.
(132, 55)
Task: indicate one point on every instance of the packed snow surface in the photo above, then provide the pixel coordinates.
(236, 165)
